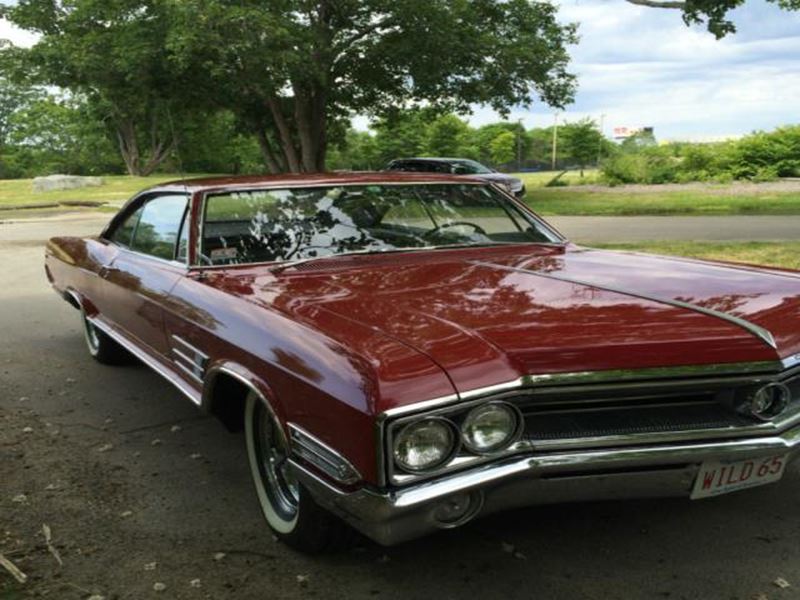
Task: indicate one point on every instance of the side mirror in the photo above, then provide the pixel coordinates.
(460, 170)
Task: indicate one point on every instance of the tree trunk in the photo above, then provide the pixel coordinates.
(273, 162)
(285, 134)
(128, 146)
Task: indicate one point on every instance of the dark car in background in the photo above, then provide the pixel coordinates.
(458, 166)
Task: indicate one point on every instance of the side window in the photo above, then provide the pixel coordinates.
(123, 234)
(159, 226)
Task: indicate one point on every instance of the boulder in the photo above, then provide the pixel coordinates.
(64, 182)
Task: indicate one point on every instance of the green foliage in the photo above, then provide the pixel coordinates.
(583, 141)
(760, 156)
(447, 136)
(714, 13)
(502, 148)
(55, 135)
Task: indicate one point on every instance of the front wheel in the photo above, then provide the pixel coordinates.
(288, 507)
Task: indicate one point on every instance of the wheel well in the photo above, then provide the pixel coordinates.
(72, 299)
(228, 397)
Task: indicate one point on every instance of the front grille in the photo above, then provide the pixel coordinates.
(568, 423)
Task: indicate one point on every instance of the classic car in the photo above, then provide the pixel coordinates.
(406, 352)
(458, 166)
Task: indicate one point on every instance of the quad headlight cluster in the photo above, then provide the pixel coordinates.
(430, 442)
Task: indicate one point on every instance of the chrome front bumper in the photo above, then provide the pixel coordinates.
(391, 517)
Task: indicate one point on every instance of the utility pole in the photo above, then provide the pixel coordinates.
(519, 145)
(555, 140)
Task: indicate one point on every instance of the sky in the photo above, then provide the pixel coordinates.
(643, 67)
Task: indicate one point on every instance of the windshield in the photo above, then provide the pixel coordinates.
(300, 223)
(470, 167)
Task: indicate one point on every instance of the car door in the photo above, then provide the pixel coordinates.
(151, 259)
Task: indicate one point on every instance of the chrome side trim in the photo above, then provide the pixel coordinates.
(148, 359)
(188, 346)
(755, 330)
(190, 372)
(194, 366)
(420, 406)
(322, 456)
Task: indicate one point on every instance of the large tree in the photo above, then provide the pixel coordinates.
(293, 70)
(583, 142)
(114, 53)
(712, 13)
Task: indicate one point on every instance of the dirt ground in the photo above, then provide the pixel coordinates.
(140, 491)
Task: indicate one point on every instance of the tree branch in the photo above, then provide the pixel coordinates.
(659, 3)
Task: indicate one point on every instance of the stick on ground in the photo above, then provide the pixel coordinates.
(12, 568)
(48, 538)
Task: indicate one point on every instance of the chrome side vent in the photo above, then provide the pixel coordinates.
(189, 359)
(326, 459)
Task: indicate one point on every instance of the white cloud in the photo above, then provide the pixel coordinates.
(15, 35)
(642, 66)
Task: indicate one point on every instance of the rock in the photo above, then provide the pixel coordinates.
(159, 587)
(64, 182)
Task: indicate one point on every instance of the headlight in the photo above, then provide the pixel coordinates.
(490, 427)
(424, 445)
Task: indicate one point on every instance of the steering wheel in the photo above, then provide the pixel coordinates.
(436, 230)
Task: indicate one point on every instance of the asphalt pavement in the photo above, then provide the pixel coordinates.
(139, 489)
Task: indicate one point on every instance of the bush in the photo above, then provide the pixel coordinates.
(648, 165)
(756, 157)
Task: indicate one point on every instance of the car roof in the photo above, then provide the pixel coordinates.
(313, 179)
(439, 159)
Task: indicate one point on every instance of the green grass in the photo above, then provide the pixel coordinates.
(619, 203)
(117, 189)
(775, 254)
(572, 178)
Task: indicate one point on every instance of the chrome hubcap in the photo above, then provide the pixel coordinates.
(272, 450)
(92, 337)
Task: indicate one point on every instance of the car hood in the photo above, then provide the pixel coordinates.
(489, 316)
(499, 178)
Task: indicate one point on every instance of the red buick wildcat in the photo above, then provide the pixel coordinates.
(407, 352)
